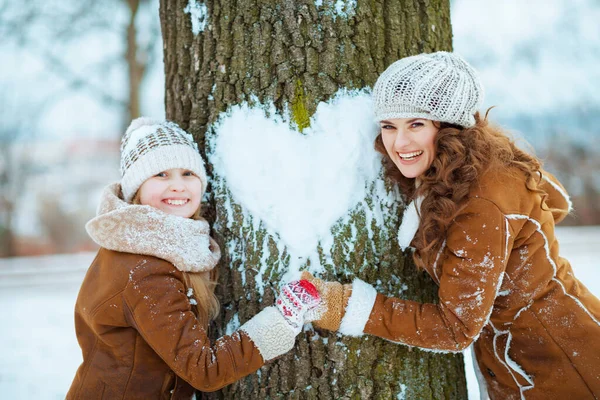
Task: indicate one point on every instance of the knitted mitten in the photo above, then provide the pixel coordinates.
(295, 300)
(329, 313)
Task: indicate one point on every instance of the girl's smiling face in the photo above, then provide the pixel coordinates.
(175, 191)
(409, 142)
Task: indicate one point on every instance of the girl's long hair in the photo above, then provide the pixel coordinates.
(202, 283)
(463, 155)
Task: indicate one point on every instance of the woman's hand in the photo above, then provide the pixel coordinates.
(329, 313)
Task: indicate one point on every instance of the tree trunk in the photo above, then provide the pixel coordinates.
(296, 54)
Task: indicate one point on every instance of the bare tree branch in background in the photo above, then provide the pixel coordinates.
(101, 50)
(135, 64)
(76, 81)
(48, 28)
(13, 168)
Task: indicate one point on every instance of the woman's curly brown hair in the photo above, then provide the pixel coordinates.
(463, 155)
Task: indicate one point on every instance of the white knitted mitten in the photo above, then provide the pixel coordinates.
(295, 300)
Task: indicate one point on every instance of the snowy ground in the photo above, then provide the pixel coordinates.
(37, 340)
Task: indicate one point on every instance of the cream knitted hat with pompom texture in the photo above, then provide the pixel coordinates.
(439, 86)
(149, 147)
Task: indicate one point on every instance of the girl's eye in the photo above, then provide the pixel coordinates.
(387, 127)
(161, 174)
(189, 173)
(416, 124)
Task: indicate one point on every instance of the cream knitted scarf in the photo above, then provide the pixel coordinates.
(137, 229)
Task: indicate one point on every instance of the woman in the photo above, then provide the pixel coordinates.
(481, 223)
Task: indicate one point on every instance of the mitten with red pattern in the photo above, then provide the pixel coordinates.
(295, 300)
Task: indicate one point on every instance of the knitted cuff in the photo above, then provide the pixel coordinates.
(270, 333)
(359, 308)
(333, 316)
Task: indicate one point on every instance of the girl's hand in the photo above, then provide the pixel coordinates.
(295, 300)
(329, 313)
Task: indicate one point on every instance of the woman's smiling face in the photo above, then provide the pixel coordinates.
(409, 142)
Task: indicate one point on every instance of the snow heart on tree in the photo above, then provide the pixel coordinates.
(299, 184)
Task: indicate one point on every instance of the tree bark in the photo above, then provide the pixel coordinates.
(297, 54)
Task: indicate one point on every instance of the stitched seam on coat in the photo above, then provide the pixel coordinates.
(167, 379)
(501, 277)
(564, 352)
(224, 382)
(507, 234)
(231, 360)
(510, 370)
(132, 366)
(437, 258)
(137, 326)
(139, 329)
(551, 261)
(87, 368)
(460, 345)
(577, 301)
(99, 306)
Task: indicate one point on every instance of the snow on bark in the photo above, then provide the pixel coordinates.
(296, 186)
(198, 15)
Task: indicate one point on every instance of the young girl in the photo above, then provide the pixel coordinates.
(481, 223)
(143, 309)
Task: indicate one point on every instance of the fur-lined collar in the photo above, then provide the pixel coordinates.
(138, 229)
(410, 223)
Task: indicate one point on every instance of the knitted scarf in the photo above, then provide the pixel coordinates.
(138, 229)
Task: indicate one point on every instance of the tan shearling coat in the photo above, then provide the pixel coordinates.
(135, 319)
(504, 288)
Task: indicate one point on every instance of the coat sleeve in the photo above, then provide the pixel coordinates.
(558, 200)
(157, 307)
(473, 263)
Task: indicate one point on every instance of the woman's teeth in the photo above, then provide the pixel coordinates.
(176, 202)
(410, 156)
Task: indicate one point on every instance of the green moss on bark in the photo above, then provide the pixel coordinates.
(300, 114)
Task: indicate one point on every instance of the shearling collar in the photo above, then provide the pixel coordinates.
(138, 229)
(410, 223)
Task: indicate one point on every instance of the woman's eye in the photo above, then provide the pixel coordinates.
(189, 173)
(416, 124)
(387, 127)
(161, 174)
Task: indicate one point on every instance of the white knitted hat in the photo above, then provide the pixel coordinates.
(438, 86)
(150, 147)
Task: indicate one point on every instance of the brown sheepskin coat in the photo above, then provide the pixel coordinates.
(504, 288)
(135, 319)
